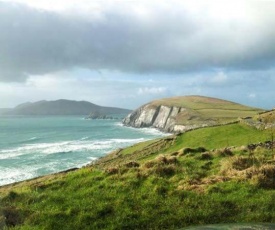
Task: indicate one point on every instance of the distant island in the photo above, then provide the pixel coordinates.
(62, 107)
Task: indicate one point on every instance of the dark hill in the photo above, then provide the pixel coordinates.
(63, 107)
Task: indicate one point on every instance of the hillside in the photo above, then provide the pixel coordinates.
(180, 114)
(4, 110)
(205, 176)
(63, 107)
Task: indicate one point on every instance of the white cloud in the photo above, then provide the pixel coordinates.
(252, 95)
(219, 79)
(57, 5)
(151, 90)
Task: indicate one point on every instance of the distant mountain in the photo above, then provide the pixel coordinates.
(63, 107)
(179, 114)
(4, 110)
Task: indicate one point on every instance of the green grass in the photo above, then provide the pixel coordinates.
(206, 110)
(163, 192)
(222, 136)
(202, 103)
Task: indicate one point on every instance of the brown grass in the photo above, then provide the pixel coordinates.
(112, 170)
(264, 177)
(223, 152)
(132, 164)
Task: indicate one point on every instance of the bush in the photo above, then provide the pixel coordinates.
(161, 190)
(206, 156)
(265, 177)
(112, 170)
(132, 164)
(12, 216)
(194, 150)
(2, 222)
(149, 164)
(172, 160)
(163, 171)
(174, 153)
(161, 159)
(241, 163)
(223, 152)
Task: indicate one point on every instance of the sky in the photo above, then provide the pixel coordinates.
(125, 53)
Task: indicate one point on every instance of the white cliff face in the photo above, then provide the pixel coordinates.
(161, 117)
(142, 117)
(145, 117)
(171, 121)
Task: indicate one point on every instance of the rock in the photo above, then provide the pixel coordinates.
(97, 115)
(160, 117)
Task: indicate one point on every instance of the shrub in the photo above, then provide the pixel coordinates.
(188, 150)
(12, 195)
(206, 156)
(161, 159)
(241, 163)
(223, 152)
(194, 150)
(12, 216)
(266, 177)
(172, 160)
(149, 164)
(201, 150)
(174, 153)
(111, 171)
(161, 190)
(105, 211)
(162, 170)
(2, 222)
(132, 164)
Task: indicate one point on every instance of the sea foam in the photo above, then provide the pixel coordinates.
(31, 147)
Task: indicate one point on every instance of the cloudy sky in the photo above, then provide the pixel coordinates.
(127, 52)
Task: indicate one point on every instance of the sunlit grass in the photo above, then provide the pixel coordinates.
(190, 180)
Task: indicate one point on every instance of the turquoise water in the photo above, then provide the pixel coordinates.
(35, 146)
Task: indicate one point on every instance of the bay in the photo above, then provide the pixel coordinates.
(34, 146)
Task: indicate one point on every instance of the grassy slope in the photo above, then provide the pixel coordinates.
(164, 192)
(203, 109)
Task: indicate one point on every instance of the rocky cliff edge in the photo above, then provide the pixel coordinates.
(190, 112)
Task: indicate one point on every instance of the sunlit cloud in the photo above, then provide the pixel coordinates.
(151, 90)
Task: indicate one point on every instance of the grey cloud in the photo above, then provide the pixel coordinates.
(34, 42)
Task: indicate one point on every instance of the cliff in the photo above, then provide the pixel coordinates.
(179, 114)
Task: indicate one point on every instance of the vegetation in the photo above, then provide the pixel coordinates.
(205, 176)
(201, 103)
(206, 110)
(268, 120)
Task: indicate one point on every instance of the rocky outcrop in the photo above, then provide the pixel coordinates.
(99, 116)
(161, 117)
(183, 113)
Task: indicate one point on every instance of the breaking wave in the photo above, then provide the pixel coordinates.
(66, 147)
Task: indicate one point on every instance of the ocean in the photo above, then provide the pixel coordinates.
(32, 146)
